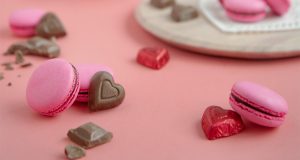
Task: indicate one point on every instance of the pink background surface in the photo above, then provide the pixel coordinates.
(160, 117)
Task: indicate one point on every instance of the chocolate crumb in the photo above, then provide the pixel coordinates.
(19, 57)
(9, 84)
(1, 76)
(26, 65)
(9, 68)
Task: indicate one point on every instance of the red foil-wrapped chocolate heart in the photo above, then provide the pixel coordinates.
(218, 122)
(154, 58)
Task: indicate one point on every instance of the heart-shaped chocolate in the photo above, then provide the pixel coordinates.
(218, 122)
(50, 26)
(104, 93)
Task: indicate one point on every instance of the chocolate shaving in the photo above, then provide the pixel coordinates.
(26, 65)
(19, 57)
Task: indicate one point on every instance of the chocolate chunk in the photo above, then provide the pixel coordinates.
(1, 76)
(50, 26)
(26, 65)
(19, 57)
(8, 66)
(89, 135)
(183, 13)
(104, 93)
(162, 3)
(74, 152)
(36, 46)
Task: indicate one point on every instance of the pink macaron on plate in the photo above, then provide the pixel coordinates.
(245, 10)
(279, 7)
(24, 21)
(258, 104)
(86, 72)
(53, 87)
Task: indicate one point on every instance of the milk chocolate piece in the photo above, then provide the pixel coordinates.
(89, 135)
(50, 26)
(183, 13)
(19, 57)
(162, 3)
(104, 93)
(36, 46)
(74, 152)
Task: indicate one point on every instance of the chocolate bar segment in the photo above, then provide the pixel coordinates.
(182, 13)
(50, 26)
(35, 46)
(162, 3)
(89, 135)
(74, 152)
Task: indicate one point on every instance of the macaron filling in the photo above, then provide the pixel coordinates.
(238, 99)
(71, 96)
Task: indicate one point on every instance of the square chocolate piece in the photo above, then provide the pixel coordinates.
(182, 13)
(162, 3)
(89, 135)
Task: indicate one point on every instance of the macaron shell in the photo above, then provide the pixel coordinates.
(246, 19)
(23, 32)
(279, 7)
(260, 96)
(86, 72)
(245, 6)
(51, 88)
(24, 19)
(256, 117)
(245, 10)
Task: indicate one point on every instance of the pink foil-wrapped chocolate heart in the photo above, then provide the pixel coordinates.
(154, 58)
(218, 122)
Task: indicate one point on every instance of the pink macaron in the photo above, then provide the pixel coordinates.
(246, 11)
(279, 7)
(24, 21)
(86, 72)
(258, 104)
(53, 87)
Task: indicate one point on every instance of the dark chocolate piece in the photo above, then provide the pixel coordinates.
(26, 65)
(162, 3)
(89, 135)
(19, 57)
(74, 152)
(104, 93)
(9, 84)
(36, 46)
(50, 26)
(183, 13)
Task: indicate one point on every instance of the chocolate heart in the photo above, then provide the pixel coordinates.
(104, 93)
(218, 123)
(50, 26)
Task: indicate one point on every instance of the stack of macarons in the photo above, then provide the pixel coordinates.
(254, 10)
(56, 84)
